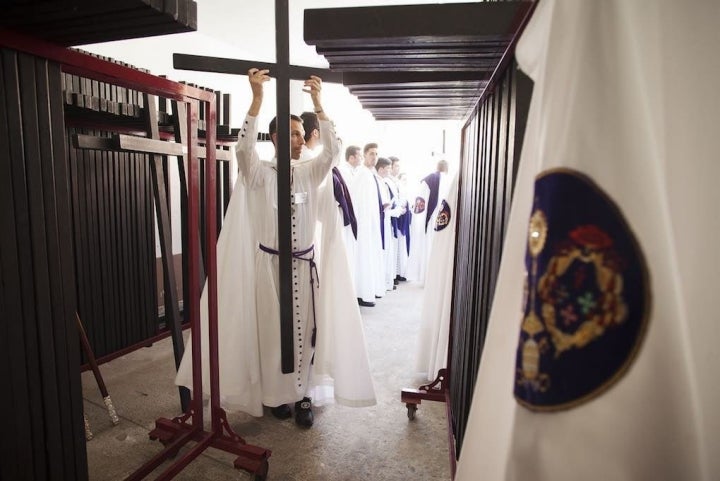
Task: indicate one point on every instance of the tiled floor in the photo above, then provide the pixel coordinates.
(345, 444)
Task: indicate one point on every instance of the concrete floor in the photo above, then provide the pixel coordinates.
(345, 444)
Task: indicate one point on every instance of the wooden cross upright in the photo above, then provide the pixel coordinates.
(283, 72)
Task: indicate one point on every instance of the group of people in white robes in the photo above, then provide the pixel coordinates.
(381, 246)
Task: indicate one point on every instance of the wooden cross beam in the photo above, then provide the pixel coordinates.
(283, 72)
(133, 143)
(235, 66)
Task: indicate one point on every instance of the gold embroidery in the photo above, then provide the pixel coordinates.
(532, 326)
(612, 309)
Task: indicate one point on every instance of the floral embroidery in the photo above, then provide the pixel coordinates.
(586, 295)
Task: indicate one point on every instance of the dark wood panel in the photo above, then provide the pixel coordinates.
(76, 22)
(488, 20)
(26, 280)
(66, 334)
(488, 169)
(38, 341)
(37, 148)
(407, 45)
(18, 445)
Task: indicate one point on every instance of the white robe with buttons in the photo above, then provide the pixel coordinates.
(248, 288)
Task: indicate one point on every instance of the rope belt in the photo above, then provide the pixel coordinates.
(314, 276)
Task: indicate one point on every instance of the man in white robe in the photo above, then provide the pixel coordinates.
(432, 187)
(391, 211)
(336, 226)
(348, 171)
(370, 153)
(248, 307)
(607, 112)
(401, 225)
(434, 334)
(369, 247)
(334, 181)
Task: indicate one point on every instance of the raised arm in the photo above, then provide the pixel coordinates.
(247, 158)
(322, 164)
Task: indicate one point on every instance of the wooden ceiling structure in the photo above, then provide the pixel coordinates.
(81, 22)
(416, 61)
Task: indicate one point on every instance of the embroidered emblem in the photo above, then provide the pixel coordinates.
(585, 295)
(419, 205)
(443, 218)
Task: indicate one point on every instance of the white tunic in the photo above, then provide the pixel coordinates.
(422, 232)
(388, 254)
(261, 181)
(401, 251)
(348, 174)
(379, 258)
(606, 102)
(391, 242)
(432, 347)
(369, 248)
(249, 318)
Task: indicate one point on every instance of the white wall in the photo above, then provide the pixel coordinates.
(245, 29)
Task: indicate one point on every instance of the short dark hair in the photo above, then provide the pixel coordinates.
(371, 145)
(382, 162)
(351, 150)
(310, 122)
(273, 123)
(394, 159)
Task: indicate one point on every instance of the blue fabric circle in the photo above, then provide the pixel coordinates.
(444, 216)
(587, 295)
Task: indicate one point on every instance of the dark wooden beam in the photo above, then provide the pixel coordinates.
(132, 143)
(418, 90)
(397, 65)
(411, 23)
(380, 104)
(284, 187)
(240, 67)
(368, 95)
(426, 48)
(75, 22)
(407, 79)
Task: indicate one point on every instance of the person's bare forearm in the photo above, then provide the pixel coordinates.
(255, 105)
(313, 86)
(257, 78)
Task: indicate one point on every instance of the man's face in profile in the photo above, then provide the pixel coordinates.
(297, 138)
(371, 157)
(395, 170)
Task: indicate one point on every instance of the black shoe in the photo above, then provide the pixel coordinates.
(365, 304)
(401, 278)
(303, 413)
(282, 411)
(378, 297)
(396, 281)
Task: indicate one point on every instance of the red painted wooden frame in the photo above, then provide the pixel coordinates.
(176, 432)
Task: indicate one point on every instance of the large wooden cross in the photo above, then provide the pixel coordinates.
(283, 72)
